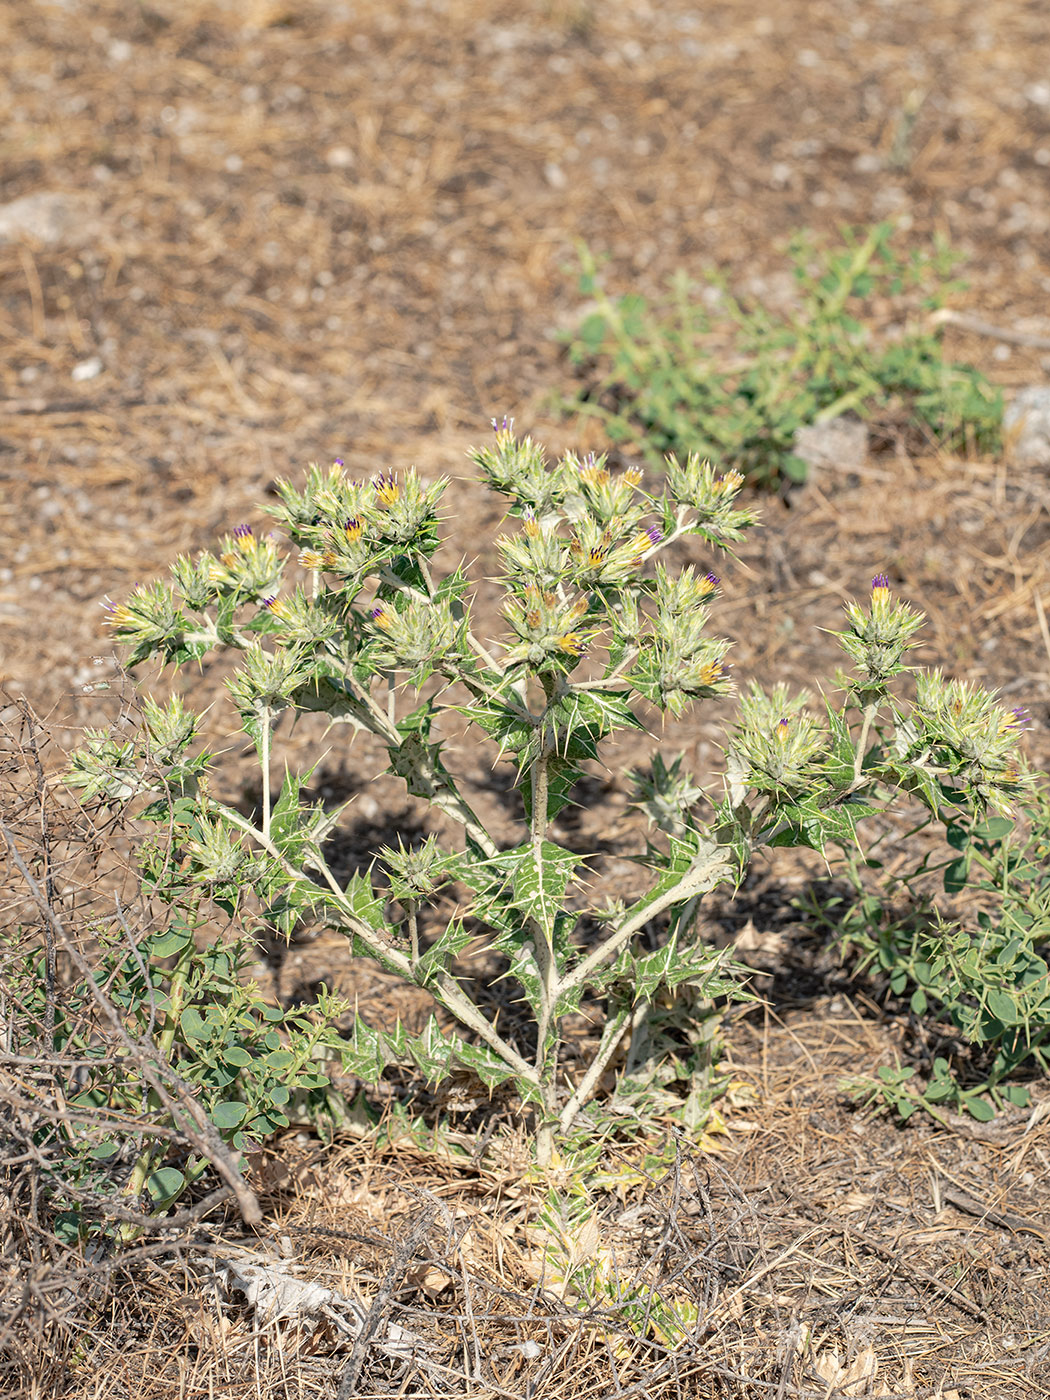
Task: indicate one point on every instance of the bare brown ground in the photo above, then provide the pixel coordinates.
(313, 229)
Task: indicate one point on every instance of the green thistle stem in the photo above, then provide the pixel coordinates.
(870, 712)
(264, 759)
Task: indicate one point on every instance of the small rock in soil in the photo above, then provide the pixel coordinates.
(47, 217)
(1027, 426)
(837, 444)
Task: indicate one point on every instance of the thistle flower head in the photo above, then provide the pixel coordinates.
(695, 483)
(781, 744)
(419, 637)
(647, 539)
(973, 737)
(151, 619)
(387, 490)
(276, 607)
(592, 471)
(877, 638)
(417, 870)
(316, 560)
(1019, 718)
(118, 614)
(353, 529)
(248, 564)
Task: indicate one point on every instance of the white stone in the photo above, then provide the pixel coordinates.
(87, 369)
(837, 444)
(47, 217)
(1026, 424)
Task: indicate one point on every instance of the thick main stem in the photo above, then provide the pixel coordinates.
(862, 741)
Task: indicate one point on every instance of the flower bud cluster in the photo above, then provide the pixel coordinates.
(328, 498)
(194, 581)
(781, 745)
(417, 872)
(547, 628)
(105, 768)
(695, 483)
(150, 618)
(154, 762)
(667, 794)
(218, 854)
(302, 619)
(345, 526)
(247, 564)
(973, 736)
(267, 680)
(607, 497)
(416, 634)
(681, 663)
(518, 467)
(171, 728)
(878, 637)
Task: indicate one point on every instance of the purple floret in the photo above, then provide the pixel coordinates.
(880, 581)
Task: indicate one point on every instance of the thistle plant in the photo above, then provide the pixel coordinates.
(604, 630)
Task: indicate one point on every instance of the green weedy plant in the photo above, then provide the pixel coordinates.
(981, 988)
(193, 1005)
(603, 629)
(663, 380)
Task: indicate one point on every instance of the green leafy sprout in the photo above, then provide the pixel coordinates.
(735, 380)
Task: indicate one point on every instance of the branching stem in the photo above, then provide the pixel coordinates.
(707, 871)
(451, 994)
(612, 1034)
